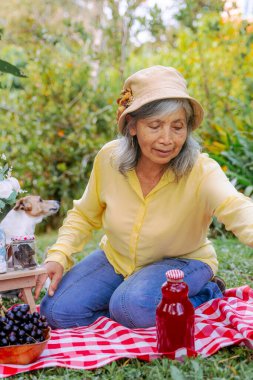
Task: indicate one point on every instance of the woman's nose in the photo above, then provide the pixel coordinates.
(166, 135)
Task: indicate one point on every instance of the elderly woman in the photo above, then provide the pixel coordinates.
(154, 195)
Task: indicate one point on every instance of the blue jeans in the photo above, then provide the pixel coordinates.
(92, 289)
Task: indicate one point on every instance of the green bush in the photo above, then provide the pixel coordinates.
(55, 124)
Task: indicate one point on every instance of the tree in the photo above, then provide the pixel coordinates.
(191, 11)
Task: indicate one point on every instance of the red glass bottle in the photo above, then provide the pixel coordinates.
(174, 315)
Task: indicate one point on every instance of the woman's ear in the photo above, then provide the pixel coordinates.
(131, 125)
(132, 130)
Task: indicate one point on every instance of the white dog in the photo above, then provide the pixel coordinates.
(22, 219)
(27, 212)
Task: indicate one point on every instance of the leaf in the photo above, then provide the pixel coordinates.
(11, 199)
(2, 204)
(5, 168)
(7, 67)
(176, 374)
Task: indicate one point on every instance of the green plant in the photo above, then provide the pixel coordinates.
(60, 122)
(237, 157)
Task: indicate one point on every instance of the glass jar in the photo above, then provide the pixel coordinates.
(23, 252)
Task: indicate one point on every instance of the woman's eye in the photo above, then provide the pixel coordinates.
(154, 126)
(178, 127)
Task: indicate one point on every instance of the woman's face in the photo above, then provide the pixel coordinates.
(160, 138)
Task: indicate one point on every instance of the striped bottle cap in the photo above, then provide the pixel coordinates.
(23, 238)
(174, 275)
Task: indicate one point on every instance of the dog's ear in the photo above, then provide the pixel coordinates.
(19, 205)
(23, 204)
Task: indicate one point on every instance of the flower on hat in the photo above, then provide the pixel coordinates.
(125, 100)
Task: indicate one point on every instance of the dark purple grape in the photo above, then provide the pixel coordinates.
(33, 333)
(21, 333)
(35, 314)
(15, 309)
(41, 339)
(24, 318)
(35, 320)
(7, 328)
(19, 315)
(27, 328)
(13, 339)
(29, 340)
(40, 325)
(10, 315)
(3, 320)
(2, 334)
(3, 342)
(39, 332)
(24, 308)
(15, 328)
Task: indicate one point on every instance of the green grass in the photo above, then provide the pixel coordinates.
(236, 267)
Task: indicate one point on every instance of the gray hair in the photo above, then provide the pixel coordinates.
(128, 152)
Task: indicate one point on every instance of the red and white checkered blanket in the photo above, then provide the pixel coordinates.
(219, 323)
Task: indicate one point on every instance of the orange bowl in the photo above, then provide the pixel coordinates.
(24, 353)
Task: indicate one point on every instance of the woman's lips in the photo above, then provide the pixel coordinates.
(163, 152)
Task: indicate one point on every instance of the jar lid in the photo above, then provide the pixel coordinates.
(23, 238)
(174, 275)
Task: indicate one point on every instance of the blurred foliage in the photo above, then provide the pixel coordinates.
(190, 11)
(76, 57)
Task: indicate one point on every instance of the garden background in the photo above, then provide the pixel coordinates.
(76, 55)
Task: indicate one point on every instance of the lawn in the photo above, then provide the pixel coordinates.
(236, 267)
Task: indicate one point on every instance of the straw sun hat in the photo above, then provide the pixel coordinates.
(154, 83)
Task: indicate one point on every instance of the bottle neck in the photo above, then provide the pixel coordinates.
(174, 281)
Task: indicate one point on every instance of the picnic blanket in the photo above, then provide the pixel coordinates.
(219, 323)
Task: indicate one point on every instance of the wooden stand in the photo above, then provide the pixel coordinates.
(22, 279)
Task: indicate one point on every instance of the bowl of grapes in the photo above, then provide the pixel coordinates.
(23, 335)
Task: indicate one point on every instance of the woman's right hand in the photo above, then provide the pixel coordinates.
(55, 273)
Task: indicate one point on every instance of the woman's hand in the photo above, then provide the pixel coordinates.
(55, 273)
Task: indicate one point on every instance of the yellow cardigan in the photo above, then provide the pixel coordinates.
(171, 221)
